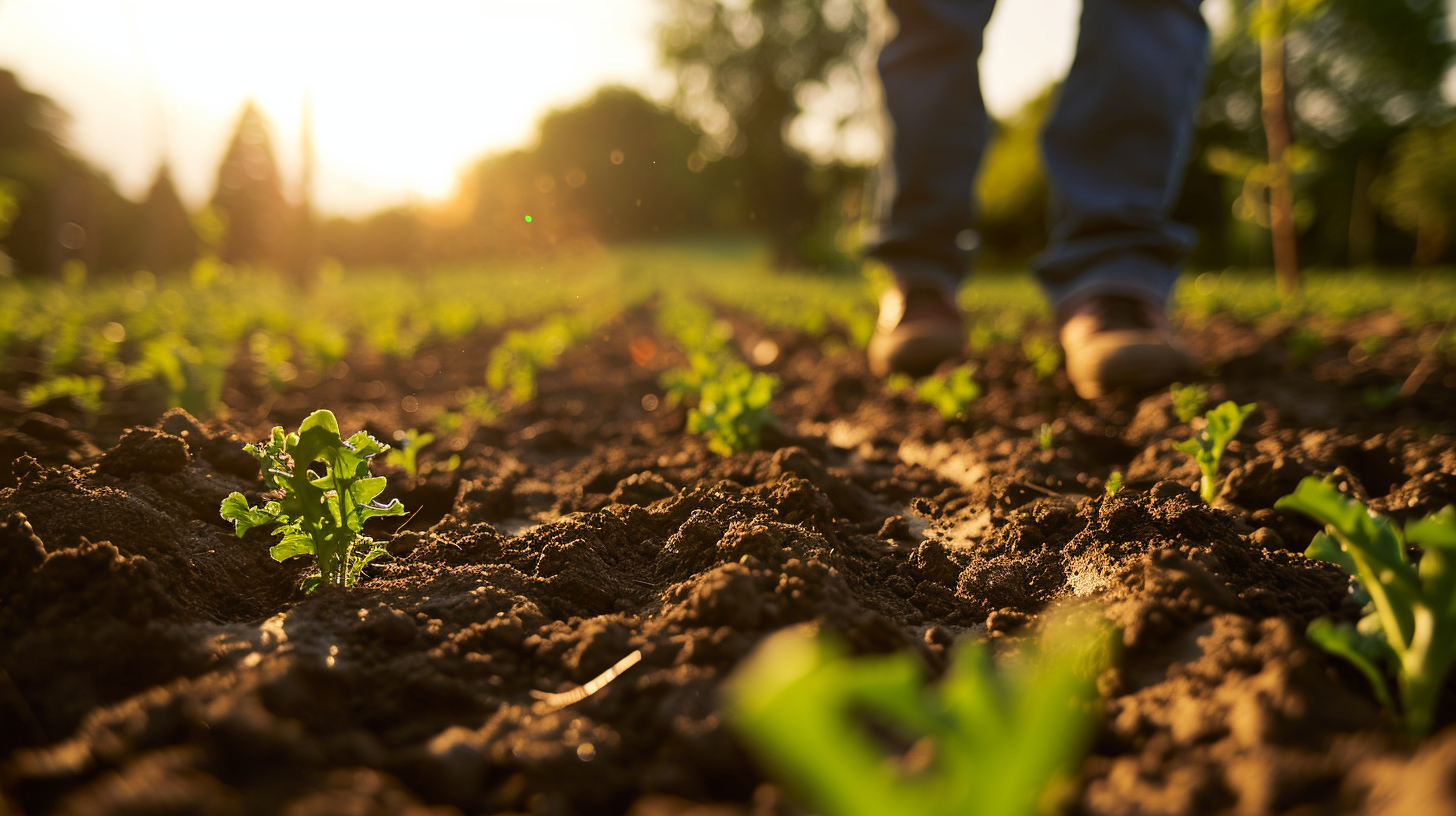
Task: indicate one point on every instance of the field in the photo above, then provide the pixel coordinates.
(575, 508)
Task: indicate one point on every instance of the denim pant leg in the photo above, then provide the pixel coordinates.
(1116, 147)
(932, 92)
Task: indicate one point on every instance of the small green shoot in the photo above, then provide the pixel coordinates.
(1303, 344)
(1114, 482)
(1044, 355)
(900, 383)
(1409, 622)
(952, 392)
(1380, 397)
(407, 454)
(318, 514)
(85, 392)
(732, 410)
(1188, 400)
(1003, 737)
(1220, 425)
(1044, 436)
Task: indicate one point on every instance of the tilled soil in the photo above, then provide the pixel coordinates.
(152, 662)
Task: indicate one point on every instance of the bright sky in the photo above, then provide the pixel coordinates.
(404, 94)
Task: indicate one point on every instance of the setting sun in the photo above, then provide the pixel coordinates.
(400, 98)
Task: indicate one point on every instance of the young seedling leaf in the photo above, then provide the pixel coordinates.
(1409, 627)
(235, 508)
(1220, 425)
(327, 496)
(1002, 733)
(1362, 651)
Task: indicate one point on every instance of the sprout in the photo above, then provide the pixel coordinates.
(1220, 426)
(1409, 622)
(320, 514)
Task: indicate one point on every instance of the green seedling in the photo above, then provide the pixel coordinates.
(319, 514)
(407, 454)
(1409, 621)
(732, 410)
(1044, 355)
(1114, 482)
(682, 385)
(952, 392)
(1371, 346)
(988, 739)
(1044, 436)
(900, 383)
(1188, 400)
(85, 392)
(272, 360)
(1303, 344)
(1380, 397)
(478, 404)
(1220, 425)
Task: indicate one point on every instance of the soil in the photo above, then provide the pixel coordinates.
(152, 662)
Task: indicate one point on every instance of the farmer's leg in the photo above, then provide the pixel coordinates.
(1116, 147)
(932, 95)
(1115, 150)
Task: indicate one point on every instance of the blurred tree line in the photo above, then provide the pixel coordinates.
(769, 92)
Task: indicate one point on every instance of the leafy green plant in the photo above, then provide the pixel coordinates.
(272, 360)
(988, 739)
(952, 392)
(1303, 344)
(478, 404)
(732, 410)
(685, 384)
(1409, 619)
(1114, 482)
(1044, 436)
(407, 454)
(1220, 425)
(1380, 397)
(900, 383)
(319, 514)
(1044, 355)
(84, 391)
(1188, 400)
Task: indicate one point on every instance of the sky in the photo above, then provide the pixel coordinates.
(404, 95)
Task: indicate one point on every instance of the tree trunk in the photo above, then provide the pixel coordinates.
(1276, 132)
(1362, 214)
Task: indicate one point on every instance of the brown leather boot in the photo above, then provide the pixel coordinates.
(1112, 342)
(918, 329)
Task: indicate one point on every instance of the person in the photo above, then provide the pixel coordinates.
(1115, 147)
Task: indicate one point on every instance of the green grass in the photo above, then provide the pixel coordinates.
(170, 341)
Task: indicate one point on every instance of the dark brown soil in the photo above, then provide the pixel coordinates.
(152, 662)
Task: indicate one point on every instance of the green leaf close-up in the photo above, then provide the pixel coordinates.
(1409, 624)
(320, 513)
(1004, 734)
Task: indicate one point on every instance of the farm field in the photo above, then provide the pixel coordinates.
(604, 480)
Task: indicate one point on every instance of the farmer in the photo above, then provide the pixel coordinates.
(1114, 147)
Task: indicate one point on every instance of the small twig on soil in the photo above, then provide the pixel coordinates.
(1426, 365)
(551, 702)
(406, 522)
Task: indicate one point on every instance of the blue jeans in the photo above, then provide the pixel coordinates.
(1115, 146)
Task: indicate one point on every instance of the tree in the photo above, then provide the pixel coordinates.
(1419, 193)
(59, 208)
(1358, 73)
(614, 167)
(745, 67)
(629, 168)
(249, 196)
(169, 243)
